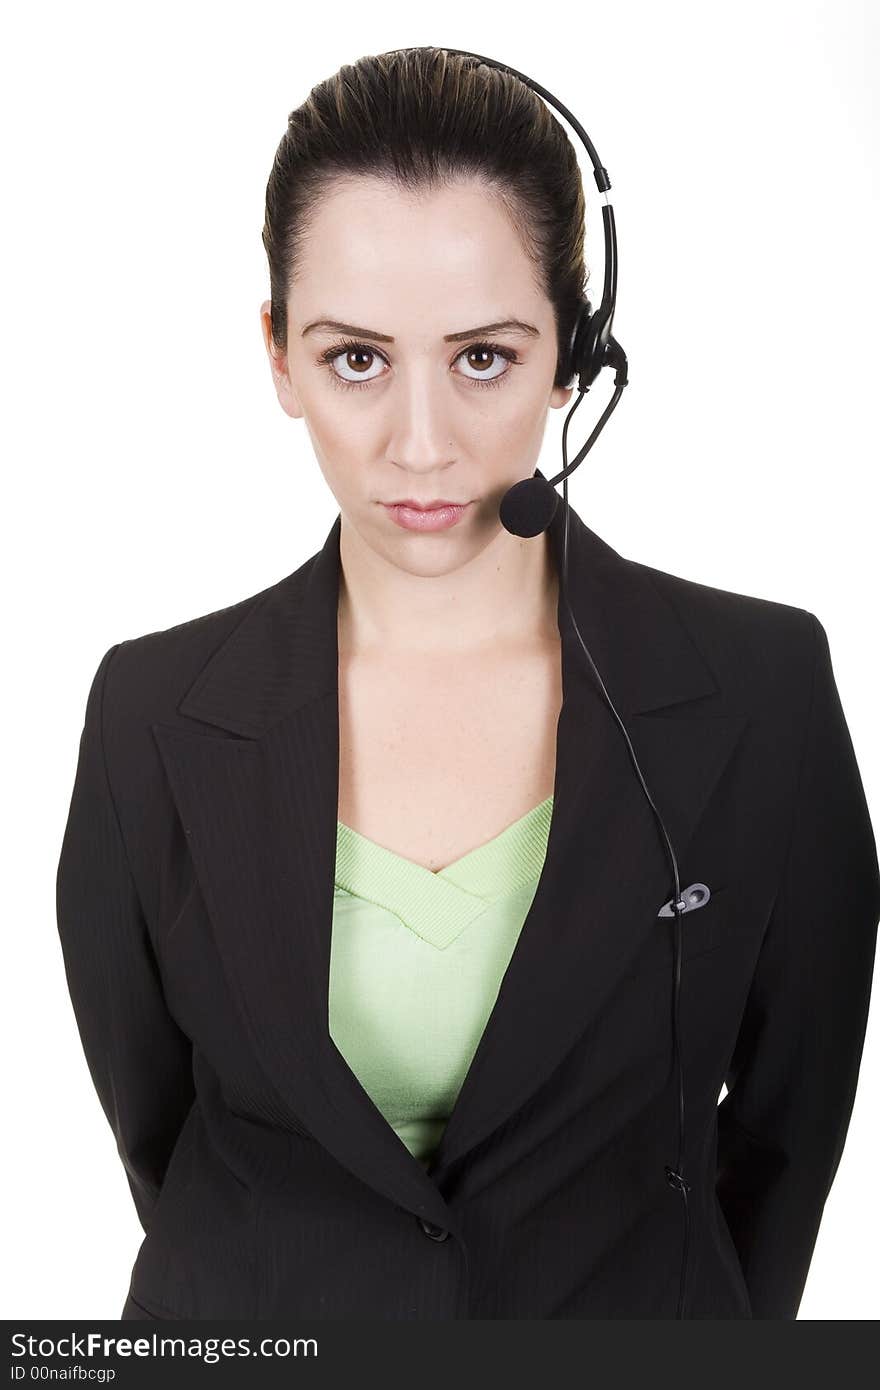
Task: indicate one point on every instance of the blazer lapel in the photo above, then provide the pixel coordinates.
(259, 805)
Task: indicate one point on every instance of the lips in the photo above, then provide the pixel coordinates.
(426, 518)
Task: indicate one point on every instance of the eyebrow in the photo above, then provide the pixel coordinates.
(515, 326)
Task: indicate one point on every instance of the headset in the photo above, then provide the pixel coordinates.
(528, 508)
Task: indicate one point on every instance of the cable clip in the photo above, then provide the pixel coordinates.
(675, 1179)
(694, 896)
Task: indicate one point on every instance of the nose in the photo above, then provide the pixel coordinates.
(421, 437)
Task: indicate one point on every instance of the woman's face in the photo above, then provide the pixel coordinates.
(395, 408)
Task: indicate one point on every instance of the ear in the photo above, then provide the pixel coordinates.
(284, 388)
(560, 395)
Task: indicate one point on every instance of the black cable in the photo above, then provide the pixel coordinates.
(674, 1176)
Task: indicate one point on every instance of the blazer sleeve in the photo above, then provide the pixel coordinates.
(792, 1078)
(140, 1060)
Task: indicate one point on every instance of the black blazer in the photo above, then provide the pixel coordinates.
(195, 892)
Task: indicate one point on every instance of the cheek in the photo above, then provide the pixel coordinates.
(511, 437)
(329, 429)
(337, 446)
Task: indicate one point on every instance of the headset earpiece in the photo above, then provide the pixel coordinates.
(581, 348)
(589, 351)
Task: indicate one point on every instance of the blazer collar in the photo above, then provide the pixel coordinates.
(260, 811)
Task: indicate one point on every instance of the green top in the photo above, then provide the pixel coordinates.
(416, 962)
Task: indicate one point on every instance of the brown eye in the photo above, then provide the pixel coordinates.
(480, 357)
(357, 358)
(354, 353)
(485, 355)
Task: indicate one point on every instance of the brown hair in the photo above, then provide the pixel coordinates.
(420, 118)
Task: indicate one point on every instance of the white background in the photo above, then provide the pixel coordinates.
(151, 475)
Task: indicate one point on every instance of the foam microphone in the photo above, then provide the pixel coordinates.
(529, 506)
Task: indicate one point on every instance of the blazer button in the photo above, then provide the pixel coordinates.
(430, 1229)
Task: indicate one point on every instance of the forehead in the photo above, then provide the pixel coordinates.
(370, 239)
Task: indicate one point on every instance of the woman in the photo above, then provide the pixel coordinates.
(361, 904)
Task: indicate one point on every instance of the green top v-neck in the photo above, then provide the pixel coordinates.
(416, 963)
